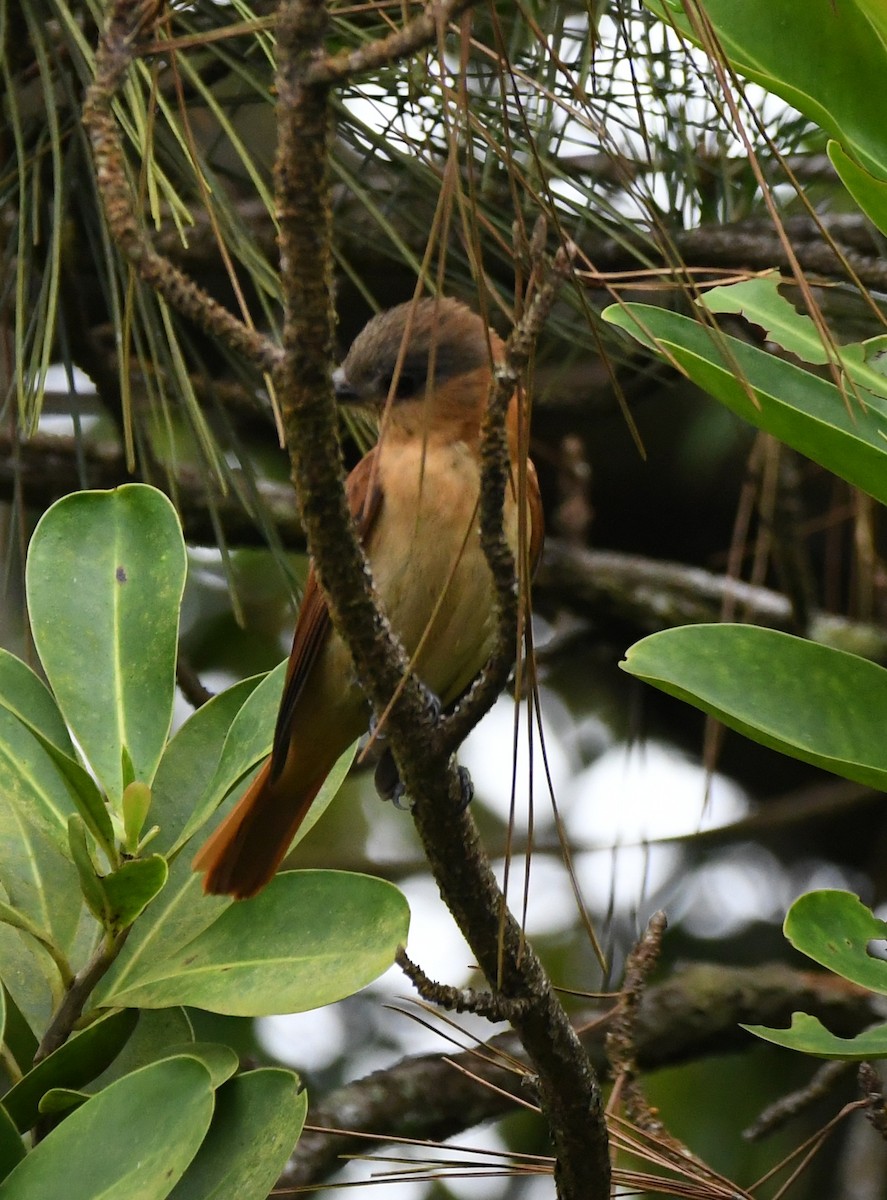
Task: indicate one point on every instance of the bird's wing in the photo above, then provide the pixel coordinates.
(313, 623)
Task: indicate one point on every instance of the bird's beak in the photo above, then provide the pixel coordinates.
(345, 393)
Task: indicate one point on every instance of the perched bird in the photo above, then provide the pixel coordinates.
(415, 499)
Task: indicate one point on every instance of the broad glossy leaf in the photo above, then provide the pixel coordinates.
(801, 409)
(256, 959)
(132, 1141)
(760, 302)
(80, 1059)
(31, 978)
(190, 760)
(105, 576)
(835, 928)
(869, 192)
(25, 695)
(826, 59)
(810, 1036)
(257, 1122)
(18, 1037)
(12, 1150)
(182, 911)
(821, 705)
(31, 781)
(155, 1036)
(176, 916)
(37, 881)
(221, 1061)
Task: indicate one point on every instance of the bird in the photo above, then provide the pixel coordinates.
(425, 368)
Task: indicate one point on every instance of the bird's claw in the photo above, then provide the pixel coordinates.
(388, 781)
(433, 706)
(466, 788)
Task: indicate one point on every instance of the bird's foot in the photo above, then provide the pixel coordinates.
(432, 703)
(388, 782)
(466, 788)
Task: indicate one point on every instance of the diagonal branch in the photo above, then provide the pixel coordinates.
(128, 24)
(422, 31)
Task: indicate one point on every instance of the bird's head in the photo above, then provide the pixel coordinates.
(443, 351)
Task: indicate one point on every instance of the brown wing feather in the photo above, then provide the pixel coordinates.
(313, 623)
(246, 849)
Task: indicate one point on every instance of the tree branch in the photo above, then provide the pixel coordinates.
(129, 23)
(422, 31)
(567, 1087)
(694, 1014)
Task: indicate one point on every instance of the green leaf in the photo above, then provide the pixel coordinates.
(30, 976)
(136, 805)
(802, 410)
(247, 742)
(812, 702)
(760, 302)
(90, 884)
(221, 1061)
(154, 1038)
(61, 1100)
(810, 1036)
(27, 697)
(834, 929)
(12, 1150)
(80, 1059)
(258, 1119)
(130, 889)
(825, 59)
(869, 192)
(18, 1037)
(178, 915)
(105, 576)
(40, 883)
(256, 959)
(31, 782)
(132, 1141)
(190, 760)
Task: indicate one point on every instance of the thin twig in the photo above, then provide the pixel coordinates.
(483, 1004)
(71, 1007)
(422, 31)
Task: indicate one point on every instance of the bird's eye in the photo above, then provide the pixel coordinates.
(406, 386)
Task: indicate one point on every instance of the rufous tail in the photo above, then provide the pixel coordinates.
(249, 845)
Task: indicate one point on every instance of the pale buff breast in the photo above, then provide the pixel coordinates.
(428, 564)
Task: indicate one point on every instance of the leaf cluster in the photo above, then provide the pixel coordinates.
(105, 937)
